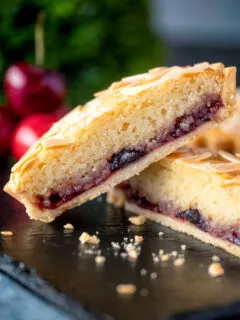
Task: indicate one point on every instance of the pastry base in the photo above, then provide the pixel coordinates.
(117, 197)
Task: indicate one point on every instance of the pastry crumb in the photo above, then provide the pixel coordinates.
(143, 272)
(90, 252)
(179, 262)
(6, 233)
(215, 258)
(138, 239)
(138, 221)
(215, 270)
(100, 260)
(87, 238)
(164, 257)
(144, 292)
(161, 252)
(183, 247)
(132, 254)
(161, 233)
(68, 226)
(123, 255)
(126, 289)
(115, 245)
(132, 250)
(174, 253)
(153, 275)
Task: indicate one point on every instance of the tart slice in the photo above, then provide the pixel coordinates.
(132, 124)
(192, 191)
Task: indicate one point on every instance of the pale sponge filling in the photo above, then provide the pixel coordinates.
(172, 182)
(205, 111)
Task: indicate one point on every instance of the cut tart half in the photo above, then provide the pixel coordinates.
(192, 191)
(132, 124)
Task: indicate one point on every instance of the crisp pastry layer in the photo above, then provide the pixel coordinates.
(132, 124)
(226, 136)
(193, 191)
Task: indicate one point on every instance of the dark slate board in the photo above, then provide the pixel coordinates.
(89, 292)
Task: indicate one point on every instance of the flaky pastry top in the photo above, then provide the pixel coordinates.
(219, 162)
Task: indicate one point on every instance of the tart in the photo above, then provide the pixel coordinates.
(133, 123)
(224, 137)
(194, 191)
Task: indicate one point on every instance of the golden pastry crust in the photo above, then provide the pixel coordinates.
(126, 114)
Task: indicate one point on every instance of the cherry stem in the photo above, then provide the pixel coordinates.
(39, 39)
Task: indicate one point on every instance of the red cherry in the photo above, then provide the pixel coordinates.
(7, 125)
(61, 111)
(30, 89)
(29, 131)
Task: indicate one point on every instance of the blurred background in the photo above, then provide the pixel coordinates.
(95, 42)
(92, 42)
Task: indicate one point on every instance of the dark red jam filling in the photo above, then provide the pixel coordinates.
(124, 157)
(205, 111)
(193, 216)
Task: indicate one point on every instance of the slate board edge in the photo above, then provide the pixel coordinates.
(29, 279)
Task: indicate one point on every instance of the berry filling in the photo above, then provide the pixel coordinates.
(192, 216)
(123, 158)
(204, 112)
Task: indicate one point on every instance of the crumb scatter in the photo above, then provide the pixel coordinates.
(68, 226)
(174, 253)
(153, 275)
(100, 260)
(183, 247)
(215, 258)
(126, 289)
(216, 270)
(138, 220)
(123, 255)
(87, 238)
(179, 262)
(164, 257)
(6, 233)
(161, 252)
(143, 272)
(132, 254)
(138, 239)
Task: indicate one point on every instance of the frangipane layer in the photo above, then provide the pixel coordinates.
(193, 191)
(132, 124)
